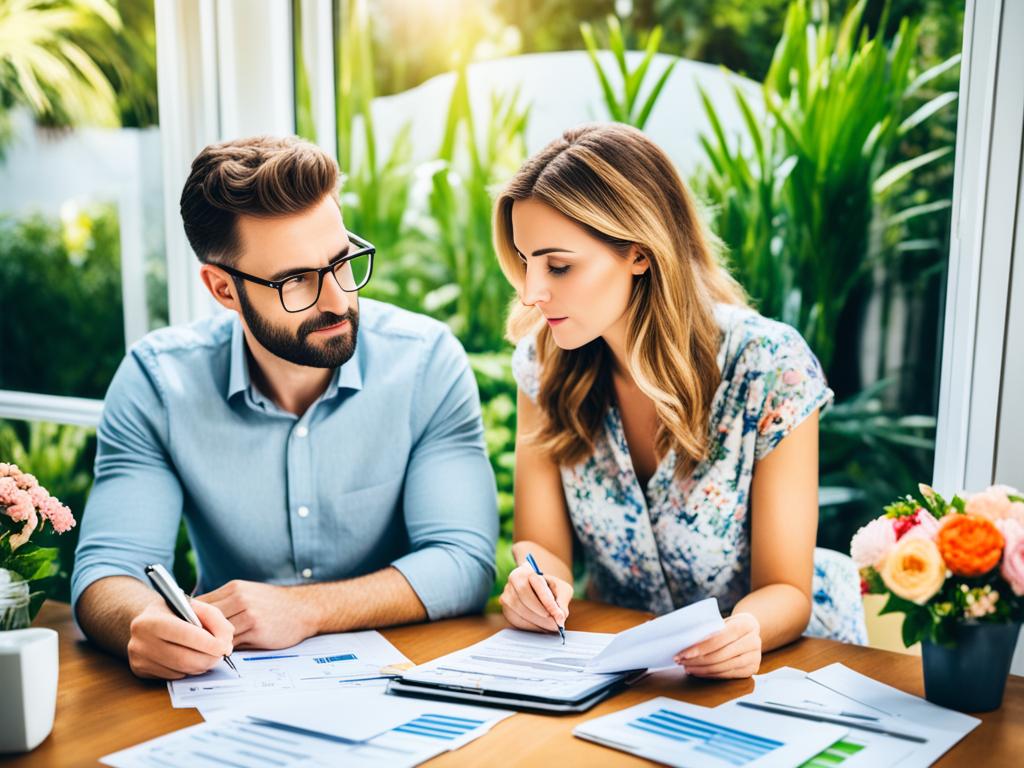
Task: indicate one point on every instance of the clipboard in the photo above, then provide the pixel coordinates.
(521, 702)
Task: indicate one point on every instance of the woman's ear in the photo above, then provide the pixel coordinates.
(640, 262)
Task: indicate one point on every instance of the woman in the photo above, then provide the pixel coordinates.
(670, 428)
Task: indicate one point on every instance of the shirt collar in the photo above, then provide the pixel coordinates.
(349, 376)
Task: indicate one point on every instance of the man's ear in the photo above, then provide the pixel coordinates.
(640, 263)
(220, 285)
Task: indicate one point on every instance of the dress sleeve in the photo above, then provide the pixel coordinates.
(525, 368)
(792, 387)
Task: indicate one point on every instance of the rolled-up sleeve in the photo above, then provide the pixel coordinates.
(134, 509)
(450, 501)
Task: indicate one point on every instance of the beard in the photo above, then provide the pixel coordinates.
(296, 347)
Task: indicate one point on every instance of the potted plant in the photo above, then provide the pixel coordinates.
(25, 507)
(955, 569)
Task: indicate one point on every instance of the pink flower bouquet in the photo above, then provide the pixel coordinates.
(945, 564)
(27, 507)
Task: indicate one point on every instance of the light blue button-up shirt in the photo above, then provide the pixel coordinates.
(387, 467)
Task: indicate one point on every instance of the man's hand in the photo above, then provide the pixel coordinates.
(733, 652)
(264, 615)
(162, 645)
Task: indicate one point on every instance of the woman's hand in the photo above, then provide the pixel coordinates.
(733, 652)
(534, 602)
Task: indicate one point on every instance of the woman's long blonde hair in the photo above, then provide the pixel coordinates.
(623, 189)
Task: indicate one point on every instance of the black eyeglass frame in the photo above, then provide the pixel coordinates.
(364, 248)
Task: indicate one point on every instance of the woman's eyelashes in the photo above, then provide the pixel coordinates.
(551, 268)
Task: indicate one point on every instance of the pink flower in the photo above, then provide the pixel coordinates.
(872, 544)
(26, 481)
(38, 495)
(7, 469)
(1012, 568)
(20, 507)
(8, 491)
(993, 503)
(924, 526)
(1016, 512)
(60, 516)
(792, 377)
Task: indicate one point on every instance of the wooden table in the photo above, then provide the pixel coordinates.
(102, 707)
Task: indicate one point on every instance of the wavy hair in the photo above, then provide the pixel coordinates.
(622, 188)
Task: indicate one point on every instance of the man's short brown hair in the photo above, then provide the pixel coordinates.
(264, 176)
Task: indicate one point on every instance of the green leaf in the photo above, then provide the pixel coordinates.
(925, 111)
(32, 562)
(900, 170)
(930, 74)
(917, 625)
(652, 99)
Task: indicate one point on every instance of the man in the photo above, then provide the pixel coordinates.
(327, 453)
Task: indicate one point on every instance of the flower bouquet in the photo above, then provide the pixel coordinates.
(955, 569)
(25, 507)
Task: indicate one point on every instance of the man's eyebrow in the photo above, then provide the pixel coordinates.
(286, 273)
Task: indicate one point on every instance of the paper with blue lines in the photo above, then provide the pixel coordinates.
(425, 730)
(325, 662)
(680, 734)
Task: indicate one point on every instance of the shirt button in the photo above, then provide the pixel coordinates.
(307, 573)
(301, 431)
(303, 511)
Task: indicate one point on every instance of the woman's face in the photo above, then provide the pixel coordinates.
(579, 283)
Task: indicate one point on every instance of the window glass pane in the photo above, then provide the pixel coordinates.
(825, 225)
(82, 264)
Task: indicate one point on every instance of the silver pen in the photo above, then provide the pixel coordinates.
(177, 600)
(863, 726)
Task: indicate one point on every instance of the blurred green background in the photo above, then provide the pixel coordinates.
(834, 207)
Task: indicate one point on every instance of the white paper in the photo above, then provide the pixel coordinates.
(325, 662)
(654, 644)
(859, 748)
(945, 726)
(680, 734)
(357, 715)
(838, 692)
(431, 729)
(516, 662)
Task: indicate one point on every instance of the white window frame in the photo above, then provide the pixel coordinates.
(224, 70)
(980, 430)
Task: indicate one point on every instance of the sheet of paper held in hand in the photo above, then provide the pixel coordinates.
(526, 663)
(323, 663)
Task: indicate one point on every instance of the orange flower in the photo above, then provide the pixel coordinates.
(970, 545)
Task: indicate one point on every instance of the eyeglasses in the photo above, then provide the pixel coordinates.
(301, 291)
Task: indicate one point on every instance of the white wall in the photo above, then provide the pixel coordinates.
(563, 91)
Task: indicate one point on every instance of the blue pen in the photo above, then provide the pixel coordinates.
(536, 568)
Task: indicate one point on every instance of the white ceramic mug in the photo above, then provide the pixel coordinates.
(28, 680)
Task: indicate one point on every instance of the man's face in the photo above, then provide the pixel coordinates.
(323, 336)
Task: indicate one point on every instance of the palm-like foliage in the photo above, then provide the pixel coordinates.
(626, 107)
(797, 200)
(460, 203)
(44, 64)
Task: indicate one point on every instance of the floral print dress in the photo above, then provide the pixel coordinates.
(677, 541)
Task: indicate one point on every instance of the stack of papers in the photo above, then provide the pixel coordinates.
(887, 727)
(324, 663)
(535, 671)
(360, 729)
(680, 734)
(319, 703)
